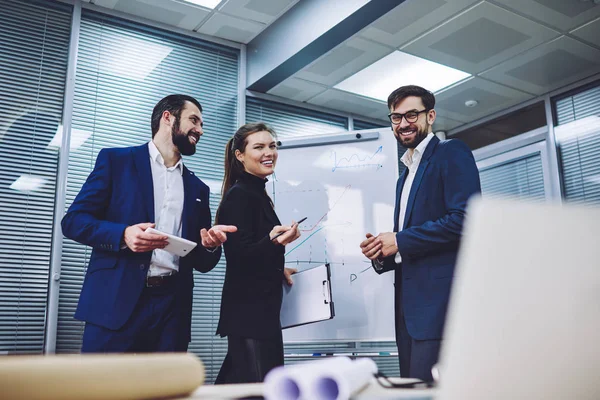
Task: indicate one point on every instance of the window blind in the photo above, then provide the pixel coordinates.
(578, 139)
(290, 122)
(123, 70)
(522, 179)
(34, 46)
(360, 125)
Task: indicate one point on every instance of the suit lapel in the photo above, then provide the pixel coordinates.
(418, 178)
(399, 187)
(141, 157)
(189, 200)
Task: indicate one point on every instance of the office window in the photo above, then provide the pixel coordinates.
(34, 47)
(504, 127)
(290, 121)
(518, 178)
(123, 70)
(578, 138)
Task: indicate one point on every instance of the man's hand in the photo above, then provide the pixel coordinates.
(216, 236)
(287, 273)
(371, 247)
(388, 243)
(139, 241)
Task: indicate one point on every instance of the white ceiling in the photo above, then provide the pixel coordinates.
(515, 49)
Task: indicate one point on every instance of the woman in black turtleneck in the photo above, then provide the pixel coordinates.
(252, 292)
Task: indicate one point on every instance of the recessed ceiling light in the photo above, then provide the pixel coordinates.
(397, 69)
(204, 3)
(471, 103)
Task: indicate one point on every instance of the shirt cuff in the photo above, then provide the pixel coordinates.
(212, 250)
(377, 264)
(398, 257)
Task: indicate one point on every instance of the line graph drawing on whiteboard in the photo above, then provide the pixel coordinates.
(314, 226)
(357, 161)
(330, 233)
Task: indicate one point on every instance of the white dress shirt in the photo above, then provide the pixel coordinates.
(168, 208)
(411, 158)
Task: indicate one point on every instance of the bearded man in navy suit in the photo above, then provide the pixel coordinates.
(137, 297)
(431, 198)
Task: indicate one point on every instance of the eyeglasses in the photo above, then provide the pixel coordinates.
(411, 116)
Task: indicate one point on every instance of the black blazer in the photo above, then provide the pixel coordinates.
(252, 292)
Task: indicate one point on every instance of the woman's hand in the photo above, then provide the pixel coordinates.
(288, 233)
(287, 274)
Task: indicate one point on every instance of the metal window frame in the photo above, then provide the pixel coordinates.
(61, 187)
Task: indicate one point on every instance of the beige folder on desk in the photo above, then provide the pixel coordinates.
(309, 299)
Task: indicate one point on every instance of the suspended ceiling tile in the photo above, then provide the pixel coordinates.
(297, 89)
(480, 38)
(548, 67)
(231, 28)
(561, 14)
(350, 103)
(411, 19)
(174, 13)
(343, 61)
(264, 11)
(590, 32)
(490, 97)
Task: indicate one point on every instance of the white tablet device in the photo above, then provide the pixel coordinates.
(178, 246)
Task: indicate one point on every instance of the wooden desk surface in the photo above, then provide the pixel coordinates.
(372, 392)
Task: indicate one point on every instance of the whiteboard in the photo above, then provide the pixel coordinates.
(345, 190)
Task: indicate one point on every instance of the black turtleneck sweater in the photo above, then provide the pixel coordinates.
(252, 291)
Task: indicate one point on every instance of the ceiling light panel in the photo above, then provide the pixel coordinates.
(378, 80)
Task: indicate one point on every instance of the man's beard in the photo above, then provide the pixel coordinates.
(412, 142)
(182, 141)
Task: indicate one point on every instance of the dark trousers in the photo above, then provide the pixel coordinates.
(416, 356)
(249, 360)
(154, 326)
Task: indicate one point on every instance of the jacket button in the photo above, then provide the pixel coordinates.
(142, 266)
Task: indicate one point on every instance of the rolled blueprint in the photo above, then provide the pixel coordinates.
(343, 381)
(100, 376)
(333, 378)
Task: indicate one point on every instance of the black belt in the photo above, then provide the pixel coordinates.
(160, 280)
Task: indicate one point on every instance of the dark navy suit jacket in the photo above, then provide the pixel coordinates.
(118, 193)
(428, 242)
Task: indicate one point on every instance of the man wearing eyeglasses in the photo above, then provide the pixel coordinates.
(431, 197)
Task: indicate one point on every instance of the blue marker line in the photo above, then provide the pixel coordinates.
(309, 236)
(336, 164)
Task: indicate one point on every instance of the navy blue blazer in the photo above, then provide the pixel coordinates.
(428, 242)
(118, 193)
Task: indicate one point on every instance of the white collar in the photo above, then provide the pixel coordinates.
(156, 156)
(408, 156)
